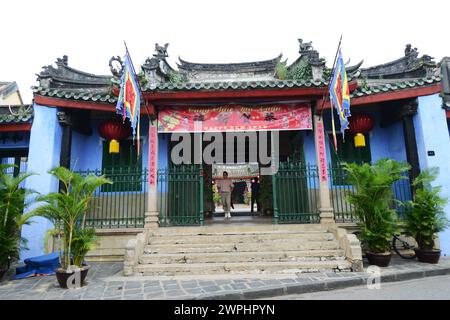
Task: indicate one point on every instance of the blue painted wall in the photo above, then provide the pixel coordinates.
(44, 152)
(87, 151)
(431, 124)
(384, 142)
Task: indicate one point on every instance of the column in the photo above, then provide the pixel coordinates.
(152, 214)
(65, 121)
(43, 155)
(325, 208)
(433, 145)
(409, 132)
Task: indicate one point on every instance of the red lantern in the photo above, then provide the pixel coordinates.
(115, 131)
(358, 125)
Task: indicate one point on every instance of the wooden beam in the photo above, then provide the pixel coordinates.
(84, 105)
(233, 94)
(448, 114)
(392, 95)
(15, 127)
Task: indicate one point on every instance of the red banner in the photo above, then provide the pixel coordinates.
(152, 156)
(320, 144)
(234, 118)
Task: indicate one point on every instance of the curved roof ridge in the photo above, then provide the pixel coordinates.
(234, 66)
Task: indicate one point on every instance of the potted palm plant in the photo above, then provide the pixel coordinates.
(372, 201)
(425, 216)
(67, 209)
(12, 204)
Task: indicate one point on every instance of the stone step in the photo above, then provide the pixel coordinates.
(213, 238)
(236, 229)
(244, 246)
(240, 267)
(216, 257)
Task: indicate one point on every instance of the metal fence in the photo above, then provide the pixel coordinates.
(340, 188)
(295, 193)
(121, 204)
(180, 195)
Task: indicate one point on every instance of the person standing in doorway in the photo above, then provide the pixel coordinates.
(225, 187)
(255, 194)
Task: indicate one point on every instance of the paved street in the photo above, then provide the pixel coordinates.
(433, 288)
(105, 282)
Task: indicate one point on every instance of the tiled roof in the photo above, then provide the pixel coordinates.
(77, 94)
(237, 85)
(16, 114)
(394, 86)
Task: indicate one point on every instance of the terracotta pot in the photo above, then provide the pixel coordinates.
(428, 256)
(63, 275)
(379, 259)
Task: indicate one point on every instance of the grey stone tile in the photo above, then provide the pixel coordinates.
(133, 291)
(133, 284)
(175, 293)
(205, 283)
(155, 295)
(212, 288)
(189, 284)
(171, 286)
(194, 291)
(239, 286)
(134, 297)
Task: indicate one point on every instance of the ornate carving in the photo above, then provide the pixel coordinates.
(64, 61)
(116, 66)
(64, 118)
(409, 109)
(304, 46)
(161, 52)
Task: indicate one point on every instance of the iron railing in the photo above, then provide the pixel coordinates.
(180, 195)
(295, 193)
(340, 188)
(121, 204)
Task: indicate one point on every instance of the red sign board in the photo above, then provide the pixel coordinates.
(235, 118)
(152, 156)
(320, 136)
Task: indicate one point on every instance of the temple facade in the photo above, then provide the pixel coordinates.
(272, 117)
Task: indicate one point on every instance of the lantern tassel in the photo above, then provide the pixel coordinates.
(114, 146)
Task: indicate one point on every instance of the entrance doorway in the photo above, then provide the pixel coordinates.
(243, 175)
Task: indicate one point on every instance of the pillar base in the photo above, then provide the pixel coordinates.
(151, 219)
(326, 215)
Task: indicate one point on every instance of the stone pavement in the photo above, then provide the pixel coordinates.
(105, 282)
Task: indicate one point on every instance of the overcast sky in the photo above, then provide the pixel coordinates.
(35, 33)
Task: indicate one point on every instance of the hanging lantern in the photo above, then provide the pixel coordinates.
(359, 125)
(114, 130)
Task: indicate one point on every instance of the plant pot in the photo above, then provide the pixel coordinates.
(428, 256)
(63, 275)
(379, 259)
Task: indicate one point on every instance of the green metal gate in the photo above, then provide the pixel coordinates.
(180, 190)
(295, 193)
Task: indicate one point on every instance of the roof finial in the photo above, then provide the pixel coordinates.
(161, 52)
(304, 46)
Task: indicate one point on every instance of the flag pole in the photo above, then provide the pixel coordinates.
(141, 96)
(331, 77)
(333, 130)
